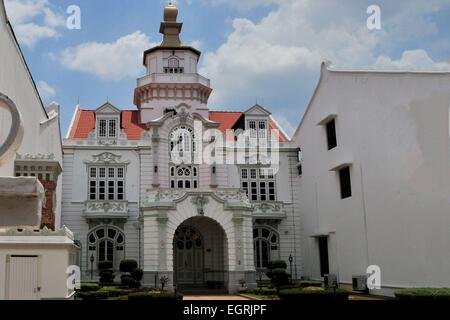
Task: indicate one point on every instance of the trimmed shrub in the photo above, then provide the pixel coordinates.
(126, 280)
(423, 294)
(106, 276)
(277, 264)
(105, 265)
(313, 294)
(95, 295)
(137, 274)
(128, 265)
(279, 278)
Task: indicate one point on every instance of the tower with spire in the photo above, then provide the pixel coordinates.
(171, 79)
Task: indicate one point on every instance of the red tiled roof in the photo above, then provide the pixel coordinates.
(228, 119)
(84, 123)
(131, 124)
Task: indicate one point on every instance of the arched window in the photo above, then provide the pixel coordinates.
(266, 242)
(173, 66)
(183, 177)
(182, 140)
(106, 243)
(174, 63)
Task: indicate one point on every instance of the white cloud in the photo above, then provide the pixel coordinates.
(278, 57)
(45, 90)
(34, 20)
(29, 33)
(413, 60)
(111, 61)
(244, 5)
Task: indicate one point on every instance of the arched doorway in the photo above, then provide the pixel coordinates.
(200, 254)
(189, 255)
(106, 243)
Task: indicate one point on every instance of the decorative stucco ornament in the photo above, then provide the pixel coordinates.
(200, 201)
(15, 135)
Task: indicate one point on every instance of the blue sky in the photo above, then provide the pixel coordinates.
(253, 50)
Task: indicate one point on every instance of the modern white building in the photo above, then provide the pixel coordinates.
(203, 224)
(375, 180)
(34, 251)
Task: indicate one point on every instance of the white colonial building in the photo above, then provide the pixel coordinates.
(126, 195)
(375, 184)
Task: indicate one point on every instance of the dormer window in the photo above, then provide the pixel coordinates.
(107, 128)
(258, 128)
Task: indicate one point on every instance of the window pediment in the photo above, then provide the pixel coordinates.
(107, 109)
(107, 158)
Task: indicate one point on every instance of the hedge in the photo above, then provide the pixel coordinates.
(423, 294)
(94, 295)
(315, 295)
(265, 292)
(147, 296)
(114, 292)
(88, 287)
(310, 283)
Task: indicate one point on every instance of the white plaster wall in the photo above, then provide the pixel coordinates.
(53, 263)
(394, 128)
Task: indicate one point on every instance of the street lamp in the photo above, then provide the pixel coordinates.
(92, 266)
(291, 259)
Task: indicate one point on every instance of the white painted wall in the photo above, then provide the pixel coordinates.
(53, 261)
(394, 129)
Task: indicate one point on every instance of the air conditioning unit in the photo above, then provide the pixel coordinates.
(359, 283)
(330, 281)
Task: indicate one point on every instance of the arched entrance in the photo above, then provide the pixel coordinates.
(188, 256)
(199, 252)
